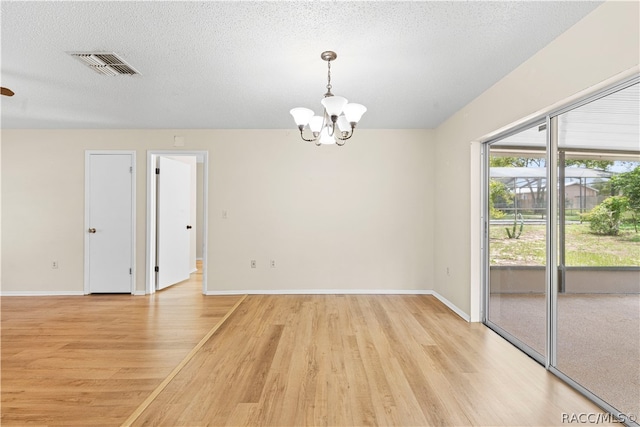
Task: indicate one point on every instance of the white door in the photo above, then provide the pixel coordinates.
(109, 223)
(174, 229)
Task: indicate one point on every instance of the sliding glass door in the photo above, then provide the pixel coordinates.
(562, 245)
(598, 298)
(517, 238)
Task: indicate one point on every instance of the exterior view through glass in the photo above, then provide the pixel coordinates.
(598, 306)
(594, 307)
(517, 236)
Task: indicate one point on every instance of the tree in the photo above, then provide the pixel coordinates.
(590, 164)
(537, 186)
(512, 162)
(629, 184)
(499, 194)
(523, 162)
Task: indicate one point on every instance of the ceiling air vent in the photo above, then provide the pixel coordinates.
(105, 63)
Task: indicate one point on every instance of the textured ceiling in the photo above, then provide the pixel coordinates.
(231, 65)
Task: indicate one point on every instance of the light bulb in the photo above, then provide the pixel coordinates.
(325, 138)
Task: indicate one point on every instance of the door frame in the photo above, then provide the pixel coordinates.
(151, 212)
(87, 193)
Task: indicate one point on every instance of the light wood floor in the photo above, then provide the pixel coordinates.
(278, 360)
(91, 360)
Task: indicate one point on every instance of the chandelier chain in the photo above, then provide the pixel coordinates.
(328, 79)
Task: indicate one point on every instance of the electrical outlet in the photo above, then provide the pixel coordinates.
(54, 264)
(253, 263)
(273, 263)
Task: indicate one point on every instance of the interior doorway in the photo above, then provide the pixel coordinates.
(197, 224)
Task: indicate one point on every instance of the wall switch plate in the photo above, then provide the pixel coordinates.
(253, 263)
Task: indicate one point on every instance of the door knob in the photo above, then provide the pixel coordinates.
(92, 230)
(189, 227)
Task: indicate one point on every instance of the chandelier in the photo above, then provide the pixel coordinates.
(338, 112)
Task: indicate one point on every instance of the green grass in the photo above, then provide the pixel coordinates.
(597, 260)
(583, 248)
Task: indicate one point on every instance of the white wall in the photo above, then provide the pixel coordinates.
(390, 210)
(604, 44)
(352, 217)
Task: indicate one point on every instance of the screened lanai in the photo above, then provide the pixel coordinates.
(529, 185)
(555, 286)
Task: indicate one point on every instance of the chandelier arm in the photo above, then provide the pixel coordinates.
(345, 138)
(305, 139)
(349, 135)
(325, 123)
(332, 129)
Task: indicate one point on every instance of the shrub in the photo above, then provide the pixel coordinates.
(499, 194)
(605, 218)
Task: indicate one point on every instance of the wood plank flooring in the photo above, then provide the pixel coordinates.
(285, 360)
(328, 360)
(91, 360)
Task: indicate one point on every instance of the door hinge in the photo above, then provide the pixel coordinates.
(157, 171)
(130, 271)
(157, 269)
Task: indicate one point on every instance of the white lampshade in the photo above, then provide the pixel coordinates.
(354, 112)
(315, 124)
(334, 104)
(325, 138)
(301, 115)
(343, 124)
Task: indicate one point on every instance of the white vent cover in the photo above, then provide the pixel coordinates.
(105, 63)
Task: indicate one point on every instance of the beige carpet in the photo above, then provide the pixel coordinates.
(598, 339)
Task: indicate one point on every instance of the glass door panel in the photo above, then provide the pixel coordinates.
(598, 304)
(517, 238)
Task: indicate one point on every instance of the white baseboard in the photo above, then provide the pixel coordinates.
(41, 293)
(51, 293)
(452, 306)
(323, 292)
(442, 299)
